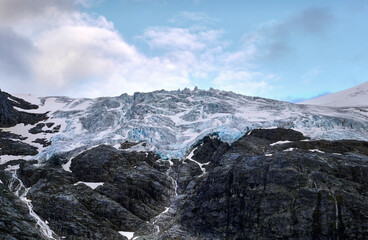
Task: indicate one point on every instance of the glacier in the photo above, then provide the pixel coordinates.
(172, 122)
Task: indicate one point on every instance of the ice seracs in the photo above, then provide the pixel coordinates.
(171, 122)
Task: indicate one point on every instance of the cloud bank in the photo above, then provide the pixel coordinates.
(55, 48)
(50, 47)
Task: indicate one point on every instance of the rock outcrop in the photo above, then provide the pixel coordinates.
(10, 116)
(16, 148)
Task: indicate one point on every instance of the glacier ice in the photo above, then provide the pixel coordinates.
(172, 122)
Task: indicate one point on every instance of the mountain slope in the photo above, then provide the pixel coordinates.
(182, 165)
(269, 184)
(353, 97)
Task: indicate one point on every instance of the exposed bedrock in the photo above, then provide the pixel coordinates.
(269, 184)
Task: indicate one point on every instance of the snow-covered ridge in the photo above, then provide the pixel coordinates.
(353, 97)
(171, 122)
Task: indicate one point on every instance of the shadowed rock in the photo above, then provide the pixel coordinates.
(10, 117)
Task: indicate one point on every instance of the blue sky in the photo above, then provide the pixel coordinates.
(286, 50)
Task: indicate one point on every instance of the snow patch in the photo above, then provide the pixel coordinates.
(12, 167)
(7, 158)
(129, 235)
(29, 98)
(171, 162)
(190, 158)
(92, 185)
(23, 130)
(289, 149)
(353, 97)
(13, 100)
(66, 166)
(316, 150)
(280, 142)
(166, 210)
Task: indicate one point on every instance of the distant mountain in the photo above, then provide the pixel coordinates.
(353, 97)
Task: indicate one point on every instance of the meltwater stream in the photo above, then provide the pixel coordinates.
(17, 187)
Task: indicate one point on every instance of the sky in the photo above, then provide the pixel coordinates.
(287, 50)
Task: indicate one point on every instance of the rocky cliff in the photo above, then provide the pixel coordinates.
(269, 184)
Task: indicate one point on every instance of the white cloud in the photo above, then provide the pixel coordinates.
(78, 54)
(100, 62)
(81, 55)
(12, 11)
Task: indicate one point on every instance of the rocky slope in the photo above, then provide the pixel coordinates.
(198, 171)
(269, 184)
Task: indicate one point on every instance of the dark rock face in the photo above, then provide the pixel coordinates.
(133, 179)
(95, 165)
(39, 128)
(290, 195)
(15, 223)
(251, 189)
(10, 117)
(127, 144)
(10, 143)
(278, 134)
(210, 150)
(135, 189)
(43, 141)
(72, 210)
(17, 148)
(9, 135)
